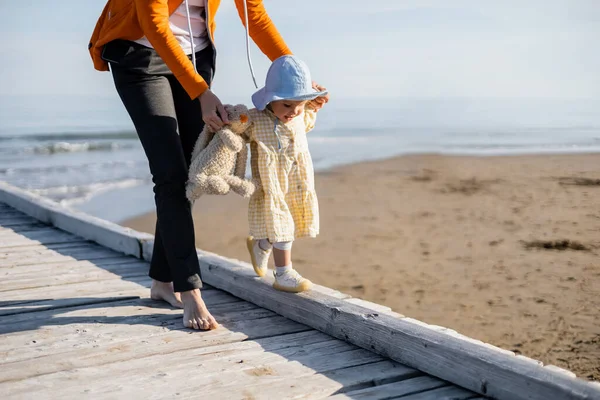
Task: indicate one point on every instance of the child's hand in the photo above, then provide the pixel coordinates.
(319, 102)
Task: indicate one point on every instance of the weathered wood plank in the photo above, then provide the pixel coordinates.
(67, 291)
(447, 393)
(7, 231)
(103, 263)
(115, 265)
(137, 309)
(20, 224)
(480, 368)
(20, 227)
(59, 246)
(104, 326)
(372, 374)
(220, 373)
(10, 213)
(18, 296)
(40, 236)
(78, 223)
(10, 308)
(124, 271)
(70, 295)
(394, 390)
(231, 341)
(284, 380)
(37, 256)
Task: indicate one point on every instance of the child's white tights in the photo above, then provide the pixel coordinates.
(266, 245)
(283, 246)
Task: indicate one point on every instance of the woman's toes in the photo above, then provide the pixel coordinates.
(212, 323)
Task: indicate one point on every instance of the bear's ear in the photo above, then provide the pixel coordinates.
(228, 108)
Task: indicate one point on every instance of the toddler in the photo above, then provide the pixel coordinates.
(284, 206)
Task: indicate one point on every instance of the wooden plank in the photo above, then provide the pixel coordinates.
(21, 227)
(13, 222)
(74, 275)
(100, 326)
(372, 374)
(114, 265)
(36, 255)
(218, 373)
(58, 246)
(447, 393)
(111, 294)
(394, 390)
(136, 308)
(478, 367)
(103, 232)
(41, 236)
(307, 382)
(22, 270)
(6, 231)
(26, 259)
(19, 296)
(11, 213)
(229, 341)
(53, 297)
(378, 308)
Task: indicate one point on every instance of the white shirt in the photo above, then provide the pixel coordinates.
(179, 25)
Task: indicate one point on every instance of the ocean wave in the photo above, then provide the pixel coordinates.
(343, 139)
(78, 168)
(66, 147)
(65, 137)
(70, 195)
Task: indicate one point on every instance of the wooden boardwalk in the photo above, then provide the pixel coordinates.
(76, 320)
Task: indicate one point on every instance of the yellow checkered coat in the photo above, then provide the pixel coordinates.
(285, 207)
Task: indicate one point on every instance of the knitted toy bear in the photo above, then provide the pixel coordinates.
(218, 162)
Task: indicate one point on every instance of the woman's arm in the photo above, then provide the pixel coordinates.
(262, 30)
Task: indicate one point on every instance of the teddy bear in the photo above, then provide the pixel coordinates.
(218, 162)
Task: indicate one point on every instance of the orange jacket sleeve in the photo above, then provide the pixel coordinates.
(262, 29)
(153, 17)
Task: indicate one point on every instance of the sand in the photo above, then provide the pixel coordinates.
(503, 249)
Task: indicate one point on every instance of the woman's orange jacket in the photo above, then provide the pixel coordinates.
(133, 19)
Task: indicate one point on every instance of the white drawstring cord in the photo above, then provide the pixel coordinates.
(187, 11)
(189, 21)
(248, 44)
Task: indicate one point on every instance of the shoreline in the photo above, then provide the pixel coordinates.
(457, 241)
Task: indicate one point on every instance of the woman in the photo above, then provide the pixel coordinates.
(151, 47)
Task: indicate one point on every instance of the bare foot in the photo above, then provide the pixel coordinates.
(195, 314)
(164, 291)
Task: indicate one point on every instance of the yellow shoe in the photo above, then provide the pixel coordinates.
(260, 257)
(291, 281)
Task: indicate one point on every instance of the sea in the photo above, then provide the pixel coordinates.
(84, 152)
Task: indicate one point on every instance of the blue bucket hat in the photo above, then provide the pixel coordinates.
(288, 78)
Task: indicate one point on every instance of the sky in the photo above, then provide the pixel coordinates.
(359, 50)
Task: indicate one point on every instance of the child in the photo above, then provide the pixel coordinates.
(284, 207)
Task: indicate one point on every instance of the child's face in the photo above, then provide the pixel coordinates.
(287, 110)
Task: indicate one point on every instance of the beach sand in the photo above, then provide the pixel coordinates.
(504, 249)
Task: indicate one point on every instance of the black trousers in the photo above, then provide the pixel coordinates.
(168, 124)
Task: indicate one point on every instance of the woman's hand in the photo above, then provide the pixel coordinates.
(319, 102)
(210, 105)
